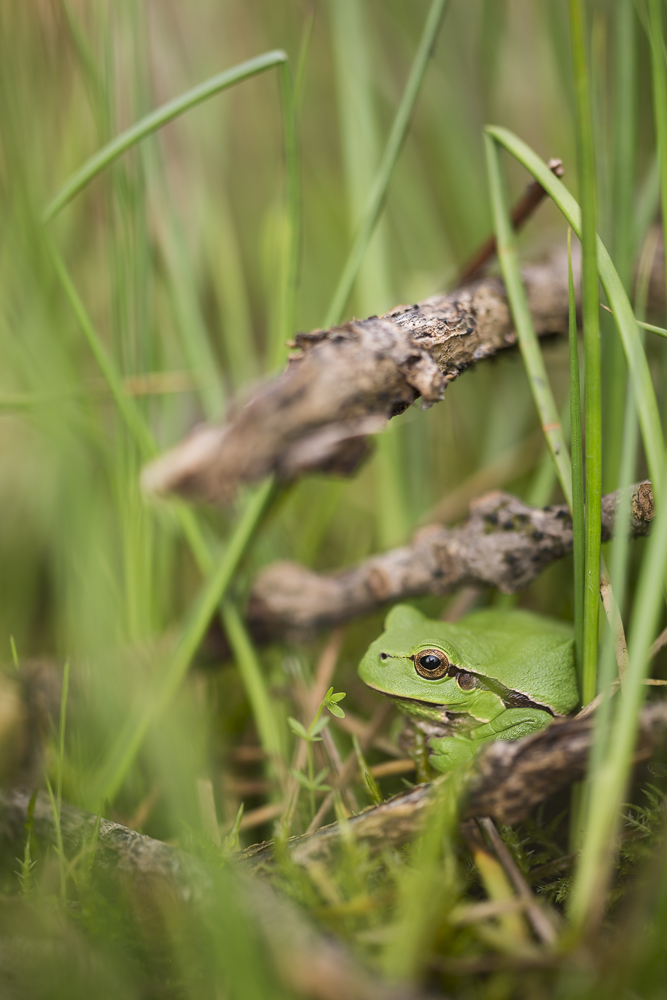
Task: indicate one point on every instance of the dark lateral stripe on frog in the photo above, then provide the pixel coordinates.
(513, 699)
(510, 698)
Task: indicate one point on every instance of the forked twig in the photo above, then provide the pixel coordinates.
(521, 212)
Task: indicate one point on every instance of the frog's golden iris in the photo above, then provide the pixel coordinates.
(431, 664)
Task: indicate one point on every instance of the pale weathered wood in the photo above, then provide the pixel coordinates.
(504, 544)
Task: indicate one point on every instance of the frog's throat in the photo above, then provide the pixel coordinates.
(422, 713)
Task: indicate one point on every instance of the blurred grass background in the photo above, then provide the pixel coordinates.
(176, 251)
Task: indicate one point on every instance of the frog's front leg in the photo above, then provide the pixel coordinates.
(510, 724)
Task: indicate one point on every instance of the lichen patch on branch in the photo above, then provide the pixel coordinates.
(345, 383)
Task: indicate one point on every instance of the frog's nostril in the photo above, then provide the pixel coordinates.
(383, 656)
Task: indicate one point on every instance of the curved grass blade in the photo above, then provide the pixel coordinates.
(395, 141)
(647, 406)
(658, 330)
(155, 120)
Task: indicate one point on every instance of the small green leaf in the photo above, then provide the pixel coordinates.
(372, 786)
(297, 728)
(317, 783)
(318, 726)
(301, 778)
(335, 710)
(230, 843)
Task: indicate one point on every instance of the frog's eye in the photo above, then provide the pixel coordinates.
(465, 680)
(431, 664)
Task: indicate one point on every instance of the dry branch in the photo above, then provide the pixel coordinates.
(504, 544)
(506, 781)
(346, 382)
(307, 963)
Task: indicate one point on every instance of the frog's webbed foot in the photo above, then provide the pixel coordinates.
(452, 751)
(512, 724)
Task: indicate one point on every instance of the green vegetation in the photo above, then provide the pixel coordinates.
(181, 188)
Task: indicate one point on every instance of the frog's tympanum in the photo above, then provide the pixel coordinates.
(494, 675)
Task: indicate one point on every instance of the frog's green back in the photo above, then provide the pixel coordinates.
(527, 653)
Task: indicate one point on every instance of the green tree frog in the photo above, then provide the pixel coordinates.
(495, 675)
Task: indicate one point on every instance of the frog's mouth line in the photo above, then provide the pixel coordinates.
(511, 699)
(447, 716)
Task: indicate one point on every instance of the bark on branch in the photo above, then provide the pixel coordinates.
(306, 963)
(345, 383)
(504, 544)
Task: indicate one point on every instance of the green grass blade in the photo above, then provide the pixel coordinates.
(592, 868)
(647, 406)
(154, 121)
(188, 314)
(622, 246)
(396, 138)
(577, 467)
(625, 141)
(646, 205)
(360, 145)
(659, 330)
(122, 754)
(292, 220)
(428, 888)
(127, 408)
(591, 336)
(659, 79)
(253, 681)
(620, 554)
(304, 49)
(61, 737)
(528, 343)
(127, 746)
(607, 794)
